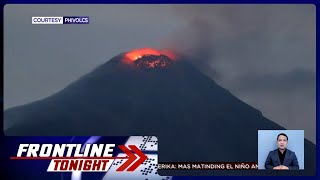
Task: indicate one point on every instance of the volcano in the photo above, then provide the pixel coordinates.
(149, 92)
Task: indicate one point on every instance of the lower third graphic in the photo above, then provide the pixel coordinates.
(96, 157)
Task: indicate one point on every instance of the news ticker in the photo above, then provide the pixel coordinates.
(208, 166)
(60, 20)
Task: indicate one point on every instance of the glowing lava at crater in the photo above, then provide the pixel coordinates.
(153, 61)
(148, 58)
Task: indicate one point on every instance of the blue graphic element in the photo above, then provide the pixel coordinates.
(75, 20)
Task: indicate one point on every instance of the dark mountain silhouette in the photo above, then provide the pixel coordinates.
(194, 118)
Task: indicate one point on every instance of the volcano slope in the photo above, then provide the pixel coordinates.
(194, 118)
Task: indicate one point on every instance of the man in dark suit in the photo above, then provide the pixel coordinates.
(282, 158)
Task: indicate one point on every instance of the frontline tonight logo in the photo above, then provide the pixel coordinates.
(77, 157)
(61, 20)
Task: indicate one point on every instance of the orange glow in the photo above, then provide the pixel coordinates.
(169, 53)
(138, 53)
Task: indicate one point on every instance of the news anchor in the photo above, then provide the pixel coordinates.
(282, 158)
